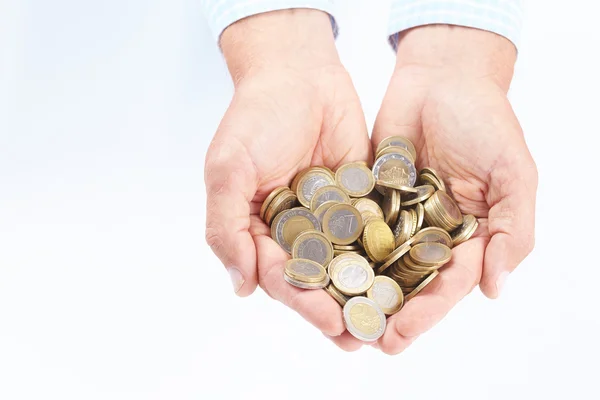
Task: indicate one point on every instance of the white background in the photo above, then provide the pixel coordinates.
(108, 290)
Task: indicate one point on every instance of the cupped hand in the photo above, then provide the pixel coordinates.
(448, 96)
(294, 106)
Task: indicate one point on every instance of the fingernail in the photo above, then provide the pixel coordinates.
(500, 282)
(237, 280)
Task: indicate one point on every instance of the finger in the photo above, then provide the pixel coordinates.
(316, 306)
(346, 342)
(419, 314)
(511, 221)
(231, 183)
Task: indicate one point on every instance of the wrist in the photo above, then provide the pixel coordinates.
(293, 39)
(441, 52)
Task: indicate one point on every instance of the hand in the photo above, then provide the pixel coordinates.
(448, 96)
(294, 106)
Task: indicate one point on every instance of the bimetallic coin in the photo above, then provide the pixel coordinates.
(310, 182)
(433, 234)
(338, 296)
(269, 199)
(378, 240)
(395, 149)
(413, 215)
(400, 142)
(403, 229)
(465, 231)
(364, 319)
(351, 274)
(423, 193)
(391, 206)
(421, 286)
(290, 223)
(342, 224)
(420, 214)
(396, 169)
(434, 173)
(430, 254)
(320, 211)
(313, 245)
(393, 257)
(429, 179)
(387, 294)
(367, 205)
(356, 179)
(306, 271)
(304, 285)
(326, 194)
(284, 201)
(382, 186)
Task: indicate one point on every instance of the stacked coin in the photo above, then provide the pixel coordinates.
(371, 238)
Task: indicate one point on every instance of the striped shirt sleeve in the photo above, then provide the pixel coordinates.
(503, 17)
(222, 13)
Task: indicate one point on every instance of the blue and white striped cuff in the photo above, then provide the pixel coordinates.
(503, 17)
(222, 13)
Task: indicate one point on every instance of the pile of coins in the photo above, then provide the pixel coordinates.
(372, 238)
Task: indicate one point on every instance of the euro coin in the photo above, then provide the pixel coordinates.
(284, 201)
(395, 149)
(423, 192)
(342, 224)
(288, 224)
(393, 257)
(430, 254)
(396, 169)
(320, 211)
(310, 182)
(368, 205)
(391, 206)
(313, 245)
(356, 179)
(433, 234)
(421, 286)
(382, 186)
(387, 294)
(364, 319)
(429, 179)
(351, 274)
(269, 199)
(338, 296)
(465, 231)
(420, 210)
(378, 240)
(398, 141)
(305, 285)
(326, 194)
(306, 271)
(403, 228)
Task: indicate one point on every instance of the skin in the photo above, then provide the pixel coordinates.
(295, 106)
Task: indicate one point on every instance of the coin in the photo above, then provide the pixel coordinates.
(303, 270)
(429, 179)
(288, 224)
(387, 294)
(391, 206)
(423, 192)
(310, 182)
(367, 205)
(338, 296)
(393, 257)
(421, 286)
(395, 149)
(342, 224)
(326, 194)
(356, 179)
(442, 211)
(465, 231)
(284, 201)
(313, 245)
(403, 228)
(378, 240)
(269, 199)
(420, 214)
(433, 234)
(364, 319)
(305, 285)
(430, 254)
(398, 141)
(383, 186)
(320, 211)
(436, 175)
(413, 215)
(351, 274)
(395, 168)
(351, 247)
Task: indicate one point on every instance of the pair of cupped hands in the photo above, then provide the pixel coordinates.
(295, 106)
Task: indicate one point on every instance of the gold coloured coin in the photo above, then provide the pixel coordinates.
(398, 141)
(429, 179)
(430, 254)
(305, 270)
(421, 286)
(338, 296)
(306, 285)
(320, 211)
(423, 192)
(387, 294)
(465, 231)
(269, 199)
(393, 257)
(394, 168)
(310, 182)
(351, 274)
(413, 215)
(433, 234)
(431, 171)
(355, 178)
(288, 224)
(378, 240)
(342, 224)
(364, 319)
(284, 201)
(383, 186)
(442, 211)
(347, 247)
(367, 205)
(403, 228)
(391, 206)
(326, 194)
(395, 149)
(313, 245)
(420, 214)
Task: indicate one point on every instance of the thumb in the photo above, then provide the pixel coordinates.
(231, 182)
(511, 221)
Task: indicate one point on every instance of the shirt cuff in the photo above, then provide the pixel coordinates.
(222, 13)
(503, 17)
